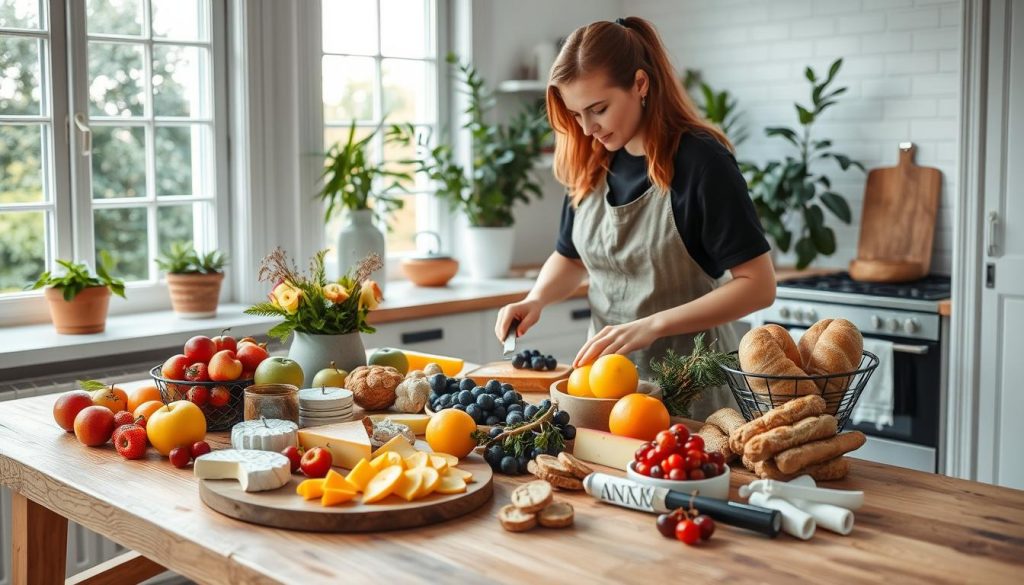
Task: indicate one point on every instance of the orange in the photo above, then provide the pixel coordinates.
(639, 416)
(579, 382)
(613, 376)
(142, 394)
(451, 431)
(147, 408)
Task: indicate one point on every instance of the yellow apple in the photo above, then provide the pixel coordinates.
(177, 424)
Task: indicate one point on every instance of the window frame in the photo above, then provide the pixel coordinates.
(70, 172)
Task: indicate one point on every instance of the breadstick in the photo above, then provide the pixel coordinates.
(779, 439)
(786, 414)
(715, 441)
(792, 460)
(726, 419)
(829, 470)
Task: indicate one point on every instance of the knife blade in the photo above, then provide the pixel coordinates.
(510, 341)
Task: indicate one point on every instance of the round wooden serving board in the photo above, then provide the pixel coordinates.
(283, 508)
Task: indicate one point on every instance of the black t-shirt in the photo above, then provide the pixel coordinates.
(710, 204)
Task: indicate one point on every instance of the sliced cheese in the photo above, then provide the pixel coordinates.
(269, 434)
(409, 485)
(335, 497)
(347, 442)
(310, 489)
(257, 471)
(417, 423)
(431, 479)
(451, 484)
(382, 484)
(465, 475)
(398, 444)
(387, 459)
(605, 448)
(419, 459)
(337, 481)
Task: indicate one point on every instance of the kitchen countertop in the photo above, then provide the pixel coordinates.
(914, 527)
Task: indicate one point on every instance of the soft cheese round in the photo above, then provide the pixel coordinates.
(269, 434)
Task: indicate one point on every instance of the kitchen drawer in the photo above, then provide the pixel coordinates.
(458, 335)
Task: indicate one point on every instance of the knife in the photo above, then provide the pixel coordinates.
(510, 341)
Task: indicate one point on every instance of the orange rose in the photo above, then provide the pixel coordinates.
(335, 293)
(370, 295)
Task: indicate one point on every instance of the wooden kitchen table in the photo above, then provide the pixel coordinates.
(914, 527)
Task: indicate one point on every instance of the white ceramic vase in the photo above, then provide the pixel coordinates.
(488, 251)
(357, 238)
(316, 352)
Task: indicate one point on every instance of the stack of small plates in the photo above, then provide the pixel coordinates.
(324, 406)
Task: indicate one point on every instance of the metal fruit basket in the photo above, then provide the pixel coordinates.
(218, 418)
(756, 394)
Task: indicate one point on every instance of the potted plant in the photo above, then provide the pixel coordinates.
(788, 192)
(78, 300)
(352, 182)
(326, 316)
(193, 280)
(503, 159)
(718, 107)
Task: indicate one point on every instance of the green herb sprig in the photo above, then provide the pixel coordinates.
(684, 378)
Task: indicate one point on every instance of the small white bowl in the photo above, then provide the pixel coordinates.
(715, 487)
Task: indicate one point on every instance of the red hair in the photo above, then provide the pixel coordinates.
(619, 51)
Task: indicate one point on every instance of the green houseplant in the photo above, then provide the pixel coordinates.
(718, 107)
(193, 280)
(354, 183)
(79, 300)
(789, 190)
(503, 160)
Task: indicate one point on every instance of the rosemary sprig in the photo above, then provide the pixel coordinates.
(684, 378)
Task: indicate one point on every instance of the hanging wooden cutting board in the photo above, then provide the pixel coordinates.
(897, 225)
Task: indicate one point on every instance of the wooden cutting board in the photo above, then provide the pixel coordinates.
(283, 508)
(897, 224)
(523, 379)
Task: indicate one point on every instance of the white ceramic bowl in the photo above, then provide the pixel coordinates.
(715, 487)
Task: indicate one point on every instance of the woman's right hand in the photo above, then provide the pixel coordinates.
(527, 312)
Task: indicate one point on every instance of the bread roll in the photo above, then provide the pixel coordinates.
(830, 470)
(832, 346)
(770, 350)
(726, 419)
(795, 459)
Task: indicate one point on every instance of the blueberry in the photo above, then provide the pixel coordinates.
(453, 386)
(466, 384)
(494, 432)
(499, 402)
(509, 465)
(529, 411)
(513, 418)
(517, 407)
(518, 362)
(543, 404)
(433, 396)
(445, 400)
(523, 462)
(550, 363)
(477, 391)
(485, 401)
(534, 352)
(493, 387)
(536, 363)
(509, 397)
(507, 388)
(500, 412)
(568, 432)
(561, 418)
(439, 383)
(466, 398)
(492, 420)
(475, 412)
(461, 407)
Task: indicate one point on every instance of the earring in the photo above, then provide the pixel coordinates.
(643, 101)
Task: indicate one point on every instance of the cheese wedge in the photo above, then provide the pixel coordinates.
(382, 484)
(257, 471)
(398, 444)
(605, 448)
(361, 474)
(337, 481)
(347, 442)
(417, 423)
(409, 485)
(310, 489)
(465, 475)
(335, 497)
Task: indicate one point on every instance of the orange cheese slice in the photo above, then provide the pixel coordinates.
(310, 489)
(335, 497)
(382, 484)
(409, 485)
(361, 474)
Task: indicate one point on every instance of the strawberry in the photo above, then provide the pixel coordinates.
(123, 418)
(199, 395)
(131, 441)
(197, 372)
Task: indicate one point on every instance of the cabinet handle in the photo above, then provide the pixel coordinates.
(580, 314)
(421, 336)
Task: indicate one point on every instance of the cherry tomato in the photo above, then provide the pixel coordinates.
(677, 474)
(642, 451)
(651, 457)
(688, 532)
(673, 461)
(642, 467)
(666, 440)
(695, 442)
(681, 431)
(693, 459)
(706, 525)
(661, 452)
(696, 474)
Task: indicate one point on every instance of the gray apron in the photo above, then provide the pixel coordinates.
(638, 266)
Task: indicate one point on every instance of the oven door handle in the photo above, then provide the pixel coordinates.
(914, 349)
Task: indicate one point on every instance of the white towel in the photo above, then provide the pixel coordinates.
(875, 404)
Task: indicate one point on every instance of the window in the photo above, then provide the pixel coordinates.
(379, 63)
(137, 167)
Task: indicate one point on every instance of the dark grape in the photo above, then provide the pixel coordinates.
(513, 418)
(477, 391)
(494, 432)
(507, 388)
(667, 525)
(509, 397)
(509, 465)
(534, 352)
(515, 407)
(500, 412)
(529, 411)
(709, 469)
(561, 418)
(466, 398)
(543, 404)
(568, 432)
(492, 420)
(518, 362)
(550, 362)
(706, 525)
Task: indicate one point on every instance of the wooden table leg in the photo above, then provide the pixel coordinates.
(40, 538)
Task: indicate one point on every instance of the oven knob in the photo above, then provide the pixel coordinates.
(911, 325)
(892, 324)
(784, 312)
(876, 321)
(798, 314)
(811, 315)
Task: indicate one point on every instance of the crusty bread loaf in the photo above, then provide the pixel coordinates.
(726, 419)
(769, 349)
(777, 440)
(831, 346)
(787, 414)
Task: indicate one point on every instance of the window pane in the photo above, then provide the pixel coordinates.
(19, 14)
(406, 92)
(350, 26)
(21, 163)
(400, 238)
(179, 76)
(22, 249)
(116, 85)
(122, 232)
(19, 76)
(336, 134)
(180, 153)
(348, 88)
(115, 17)
(404, 25)
(118, 162)
(180, 19)
(173, 224)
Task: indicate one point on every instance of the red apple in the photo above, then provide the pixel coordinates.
(219, 396)
(293, 455)
(94, 425)
(67, 407)
(200, 349)
(316, 462)
(174, 367)
(224, 366)
(223, 341)
(251, 355)
(197, 372)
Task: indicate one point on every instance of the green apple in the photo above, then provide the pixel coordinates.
(387, 356)
(279, 370)
(330, 377)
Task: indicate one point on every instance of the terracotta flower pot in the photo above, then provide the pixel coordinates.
(195, 296)
(86, 313)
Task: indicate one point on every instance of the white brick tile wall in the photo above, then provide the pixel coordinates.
(901, 67)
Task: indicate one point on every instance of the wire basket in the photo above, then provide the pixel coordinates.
(756, 394)
(218, 418)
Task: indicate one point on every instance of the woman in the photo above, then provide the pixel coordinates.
(656, 211)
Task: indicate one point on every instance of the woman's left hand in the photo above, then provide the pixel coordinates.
(621, 339)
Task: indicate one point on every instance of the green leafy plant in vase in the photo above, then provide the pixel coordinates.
(193, 279)
(794, 189)
(79, 300)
